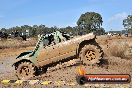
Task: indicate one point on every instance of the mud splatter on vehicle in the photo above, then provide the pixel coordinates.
(55, 48)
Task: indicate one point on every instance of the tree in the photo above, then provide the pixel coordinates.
(90, 21)
(100, 31)
(41, 29)
(3, 30)
(127, 23)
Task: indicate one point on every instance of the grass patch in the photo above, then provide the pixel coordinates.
(15, 43)
(118, 49)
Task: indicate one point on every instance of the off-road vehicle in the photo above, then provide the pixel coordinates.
(56, 47)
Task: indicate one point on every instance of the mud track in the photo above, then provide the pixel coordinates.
(67, 71)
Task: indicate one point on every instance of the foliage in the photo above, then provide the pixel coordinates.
(90, 21)
(100, 31)
(37, 29)
(127, 23)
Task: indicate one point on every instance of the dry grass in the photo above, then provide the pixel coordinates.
(13, 47)
(15, 43)
(9, 52)
(118, 49)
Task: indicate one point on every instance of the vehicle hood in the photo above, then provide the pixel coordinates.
(23, 54)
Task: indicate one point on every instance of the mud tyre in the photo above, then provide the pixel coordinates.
(25, 70)
(91, 54)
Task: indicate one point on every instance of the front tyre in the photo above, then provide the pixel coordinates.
(91, 54)
(25, 70)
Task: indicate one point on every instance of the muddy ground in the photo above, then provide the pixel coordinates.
(111, 64)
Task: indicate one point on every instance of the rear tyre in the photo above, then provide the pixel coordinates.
(91, 54)
(25, 70)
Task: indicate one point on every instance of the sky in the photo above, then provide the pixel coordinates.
(62, 13)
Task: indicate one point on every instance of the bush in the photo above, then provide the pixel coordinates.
(118, 49)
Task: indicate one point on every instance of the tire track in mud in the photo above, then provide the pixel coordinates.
(59, 67)
(112, 63)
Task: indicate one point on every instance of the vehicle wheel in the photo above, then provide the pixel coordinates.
(25, 70)
(91, 54)
(81, 80)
